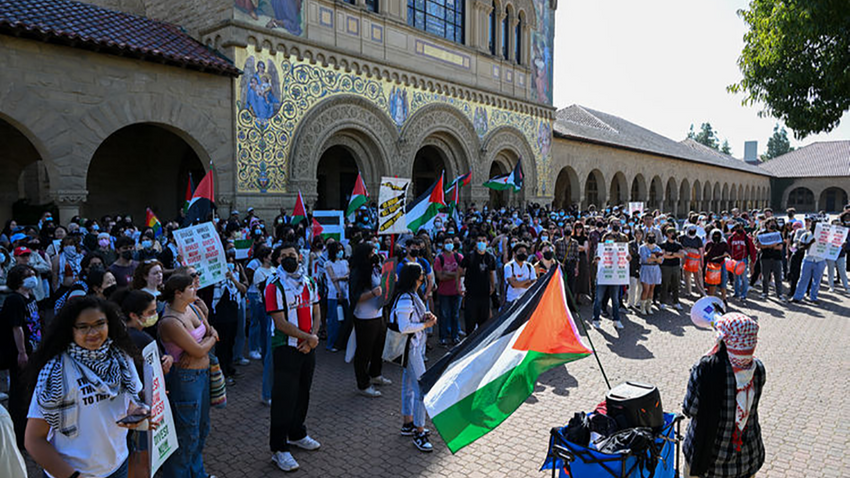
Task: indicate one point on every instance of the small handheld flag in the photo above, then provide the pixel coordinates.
(512, 180)
(426, 206)
(299, 213)
(359, 197)
(152, 222)
(190, 190)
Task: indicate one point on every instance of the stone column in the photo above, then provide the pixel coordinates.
(70, 203)
(500, 20)
(512, 43)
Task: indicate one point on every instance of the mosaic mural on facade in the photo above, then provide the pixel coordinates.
(286, 15)
(276, 93)
(542, 43)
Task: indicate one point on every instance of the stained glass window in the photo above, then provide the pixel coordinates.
(443, 18)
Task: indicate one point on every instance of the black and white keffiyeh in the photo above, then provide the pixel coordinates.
(107, 369)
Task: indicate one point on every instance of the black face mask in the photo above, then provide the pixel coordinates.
(716, 238)
(289, 264)
(110, 290)
(414, 253)
(548, 255)
(615, 228)
(692, 233)
(127, 255)
(521, 257)
(650, 240)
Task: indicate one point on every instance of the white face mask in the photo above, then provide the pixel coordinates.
(30, 282)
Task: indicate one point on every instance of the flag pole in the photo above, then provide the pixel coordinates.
(586, 333)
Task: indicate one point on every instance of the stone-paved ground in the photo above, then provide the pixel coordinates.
(803, 349)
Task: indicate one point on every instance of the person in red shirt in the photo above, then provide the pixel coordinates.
(741, 249)
(448, 271)
(292, 301)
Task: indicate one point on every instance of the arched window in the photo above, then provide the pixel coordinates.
(372, 5)
(492, 37)
(518, 42)
(443, 18)
(506, 35)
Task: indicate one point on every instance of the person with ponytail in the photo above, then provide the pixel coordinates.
(85, 385)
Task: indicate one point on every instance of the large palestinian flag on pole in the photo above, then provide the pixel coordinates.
(426, 206)
(202, 202)
(479, 383)
(359, 197)
(512, 180)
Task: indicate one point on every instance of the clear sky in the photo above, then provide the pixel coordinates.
(663, 64)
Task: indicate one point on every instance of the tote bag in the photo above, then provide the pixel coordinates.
(218, 391)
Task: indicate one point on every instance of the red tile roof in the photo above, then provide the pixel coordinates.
(81, 25)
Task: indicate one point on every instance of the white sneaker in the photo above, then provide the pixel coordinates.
(284, 461)
(241, 361)
(678, 306)
(254, 355)
(266, 401)
(369, 392)
(618, 324)
(662, 306)
(596, 324)
(306, 443)
(3, 397)
(380, 380)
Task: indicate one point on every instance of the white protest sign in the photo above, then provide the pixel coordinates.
(201, 248)
(392, 199)
(613, 266)
(162, 442)
(769, 238)
(828, 241)
(636, 207)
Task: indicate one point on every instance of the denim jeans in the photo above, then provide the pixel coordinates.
(268, 363)
(334, 320)
(259, 328)
(615, 301)
(189, 393)
(772, 267)
(449, 317)
(239, 341)
(742, 282)
(841, 265)
(811, 271)
(411, 394)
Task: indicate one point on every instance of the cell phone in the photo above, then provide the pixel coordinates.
(133, 419)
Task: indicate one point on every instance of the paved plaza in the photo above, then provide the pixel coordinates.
(801, 411)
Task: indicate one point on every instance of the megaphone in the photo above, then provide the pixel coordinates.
(706, 312)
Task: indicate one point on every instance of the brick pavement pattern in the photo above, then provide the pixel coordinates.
(803, 348)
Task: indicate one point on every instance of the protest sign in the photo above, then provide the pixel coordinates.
(388, 280)
(613, 266)
(330, 224)
(392, 199)
(162, 441)
(828, 241)
(201, 248)
(769, 238)
(636, 207)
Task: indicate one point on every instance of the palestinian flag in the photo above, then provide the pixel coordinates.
(152, 222)
(244, 248)
(452, 196)
(464, 180)
(426, 206)
(190, 190)
(358, 198)
(328, 224)
(202, 203)
(479, 383)
(299, 213)
(512, 180)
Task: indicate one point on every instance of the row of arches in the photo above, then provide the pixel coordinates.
(831, 199)
(672, 195)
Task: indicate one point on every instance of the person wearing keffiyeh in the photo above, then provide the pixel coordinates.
(86, 382)
(724, 436)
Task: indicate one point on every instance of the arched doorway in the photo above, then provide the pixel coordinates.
(594, 190)
(619, 193)
(498, 199)
(670, 196)
(24, 183)
(832, 200)
(638, 189)
(427, 167)
(696, 196)
(655, 193)
(139, 166)
(802, 199)
(335, 175)
(566, 188)
(684, 198)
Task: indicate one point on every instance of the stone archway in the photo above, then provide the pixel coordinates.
(716, 199)
(684, 197)
(696, 196)
(619, 190)
(670, 197)
(802, 199)
(656, 194)
(24, 181)
(567, 188)
(509, 144)
(832, 199)
(638, 189)
(594, 190)
(344, 120)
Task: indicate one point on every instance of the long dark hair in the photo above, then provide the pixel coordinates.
(60, 333)
(407, 277)
(361, 270)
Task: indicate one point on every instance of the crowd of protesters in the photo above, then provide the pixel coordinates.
(80, 301)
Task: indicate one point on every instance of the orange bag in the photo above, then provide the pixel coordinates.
(712, 274)
(735, 267)
(692, 261)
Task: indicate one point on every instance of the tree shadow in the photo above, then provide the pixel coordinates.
(626, 343)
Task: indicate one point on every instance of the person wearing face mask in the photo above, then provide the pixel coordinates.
(693, 260)
(337, 272)
(148, 247)
(811, 272)
(367, 305)
(716, 252)
(546, 260)
(771, 263)
(124, 267)
(567, 252)
(104, 248)
(224, 313)
(741, 248)
(838, 266)
(479, 275)
(519, 275)
(603, 291)
(671, 269)
(292, 300)
(448, 270)
(66, 265)
(20, 334)
(650, 271)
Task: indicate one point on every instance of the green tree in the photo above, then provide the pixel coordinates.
(726, 149)
(706, 136)
(778, 144)
(796, 60)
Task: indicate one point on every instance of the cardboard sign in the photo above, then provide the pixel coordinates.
(162, 442)
(392, 200)
(201, 248)
(828, 241)
(636, 207)
(388, 280)
(769, 238)
(613, 265)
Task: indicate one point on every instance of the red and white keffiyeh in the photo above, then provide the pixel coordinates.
(740, 334)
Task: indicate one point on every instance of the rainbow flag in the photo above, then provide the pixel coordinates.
(479, 383)
(153, 222)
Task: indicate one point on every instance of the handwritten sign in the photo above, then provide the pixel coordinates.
(162, 442)
(201, 248)
(828, 241)
(613, 265)
(636, 207)
(769, 238)
(392, 199)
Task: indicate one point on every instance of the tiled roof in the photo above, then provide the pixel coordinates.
(584, 124)
(81, 25)
(828, 158)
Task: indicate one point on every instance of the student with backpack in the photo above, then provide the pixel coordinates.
(448, 271)
(519, 274)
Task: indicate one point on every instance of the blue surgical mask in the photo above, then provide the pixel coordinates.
(450, 246)
(30, 282)
(95, 227)
(147, 243)
(482, 246)
(544, 238)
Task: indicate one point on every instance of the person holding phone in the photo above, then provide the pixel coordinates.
(86, 387)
